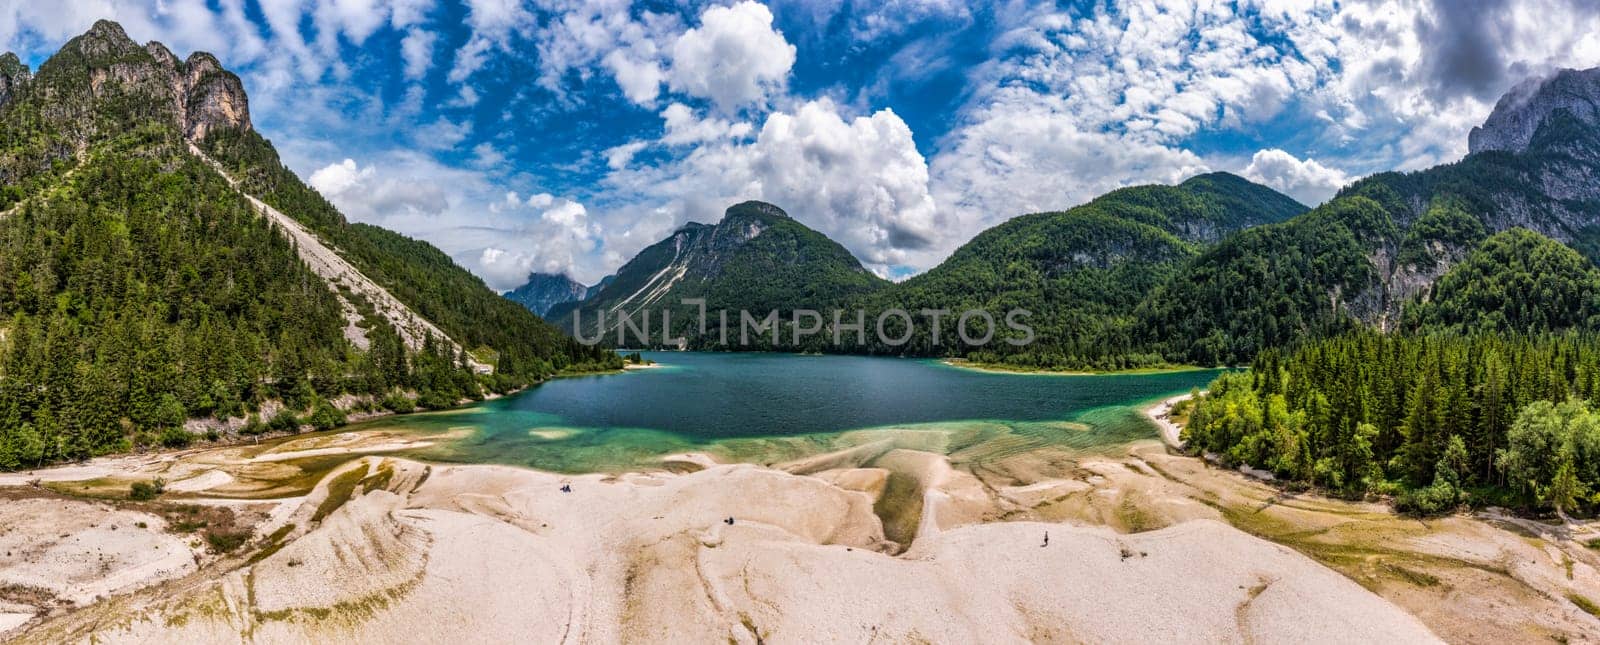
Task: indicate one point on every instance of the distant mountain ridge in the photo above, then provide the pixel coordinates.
(756, 258)
(1083, 271)
(543, 291)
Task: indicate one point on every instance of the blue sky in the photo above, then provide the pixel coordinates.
(561, 135)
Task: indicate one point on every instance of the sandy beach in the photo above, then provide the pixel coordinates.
(884, 541)
(1161, 415)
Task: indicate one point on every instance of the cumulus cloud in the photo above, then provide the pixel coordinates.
(1019, 157)
(859, 180)
(640, 80)
(684, 127)
(581, 37)
(493, 23)
(1308, 181)
(495, 233)
(558, 237)
(734, 58)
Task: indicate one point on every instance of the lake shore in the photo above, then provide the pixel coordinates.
(998, 539)
(505, 551)
(1002, 368)
(1160, 414)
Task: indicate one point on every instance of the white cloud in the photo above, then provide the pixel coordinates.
(339, 178)
(1307, 181)
(491, 231)
(683, 127)
(859, 180)
(640, 80)
(618, 157)
(493, 23)
(581, 36)
(485, 155)
(734, 58)
(442, 134)
(417, 50)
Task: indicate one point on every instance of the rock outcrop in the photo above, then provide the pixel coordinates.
(196, 94)
(13, 75)
(1533, 104)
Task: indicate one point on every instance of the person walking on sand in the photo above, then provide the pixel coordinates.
(1046, 540)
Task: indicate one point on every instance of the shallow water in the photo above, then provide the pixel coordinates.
(771, 407)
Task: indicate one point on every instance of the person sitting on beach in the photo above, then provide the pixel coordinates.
(729, 520)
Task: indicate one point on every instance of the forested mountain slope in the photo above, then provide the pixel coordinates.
(139, 289)
(1385, 240)
(756, 259)
(1082, 272)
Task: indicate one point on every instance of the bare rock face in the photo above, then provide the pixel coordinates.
(1519, 114)
(213, 97)
(13, 75)
(197, 95)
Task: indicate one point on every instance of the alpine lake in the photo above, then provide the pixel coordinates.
(767, 408)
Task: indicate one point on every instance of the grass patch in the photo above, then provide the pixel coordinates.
(379, 479)
(1417, 578)
(1585, 604)
(339, 491)
(900, 508)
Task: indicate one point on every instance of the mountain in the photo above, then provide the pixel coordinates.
(1082, 271)
(1519, 115)
(1516, 281)
(1385, 240)
(756, 259)
(545, 290)
(161, 270)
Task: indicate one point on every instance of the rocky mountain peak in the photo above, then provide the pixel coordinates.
(163, 56)
(103, 68)
(543, 291)
(105, 38)
(754, 207)
(1519, 114)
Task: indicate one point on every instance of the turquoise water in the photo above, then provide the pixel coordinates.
(768, 407)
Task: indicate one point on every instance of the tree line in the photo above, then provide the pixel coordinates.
(1434, 419)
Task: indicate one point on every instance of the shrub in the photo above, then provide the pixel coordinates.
(284, 422)
(326, 417)
(146, 491)
(173, 437)
(225, 541)
(434, 401)
(1438, 498)
(398, 403)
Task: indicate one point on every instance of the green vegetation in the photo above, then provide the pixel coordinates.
(785, 267)
(1429, 418)
(146, 491)
(138, 289)
(1267, 286)
(340, 489)
(420, 275)
(1516, 281)
(1083, 273)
